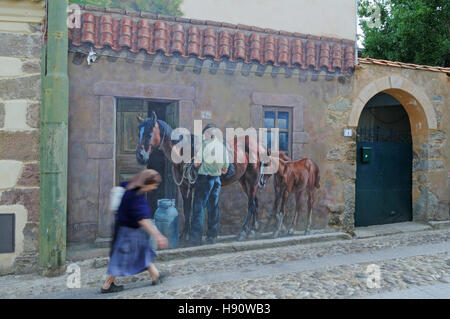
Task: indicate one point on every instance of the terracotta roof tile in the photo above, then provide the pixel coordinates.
(209, 39)
(111, 10)
(224, 44)
(165, 17)
(217, 24)
(297, 53)
(149, 15)
(286, 33)
(132, 13)
(195, 21)
(404, 65)
(229, 25)
(93, 8)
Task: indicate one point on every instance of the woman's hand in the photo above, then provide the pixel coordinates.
(161, 241)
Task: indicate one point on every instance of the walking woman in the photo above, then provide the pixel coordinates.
(131, 252)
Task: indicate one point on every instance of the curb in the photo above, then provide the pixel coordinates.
(223, 248)
(440, 224)
(391, 229)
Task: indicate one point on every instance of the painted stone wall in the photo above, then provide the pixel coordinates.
(20, 98)
(235, 98)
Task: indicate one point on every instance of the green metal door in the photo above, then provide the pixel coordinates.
(383, 175)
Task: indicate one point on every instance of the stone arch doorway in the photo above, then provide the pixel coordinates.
(383, 163)
(423, 123)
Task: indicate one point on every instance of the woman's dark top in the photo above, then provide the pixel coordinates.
(133, 208)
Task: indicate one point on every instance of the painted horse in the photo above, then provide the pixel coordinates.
(298, 177)
(156, 134)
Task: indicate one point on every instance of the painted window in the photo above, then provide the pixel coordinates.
(279, 117)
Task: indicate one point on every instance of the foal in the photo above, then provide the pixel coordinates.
(294, 177)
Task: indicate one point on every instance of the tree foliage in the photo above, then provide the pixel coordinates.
(167, 7)
(411, 31)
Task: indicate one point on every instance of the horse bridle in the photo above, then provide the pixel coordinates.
(161, 142)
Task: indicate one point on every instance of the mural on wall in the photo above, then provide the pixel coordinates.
(251, 163)
(156, 134)
(234, 77)
(293, 177)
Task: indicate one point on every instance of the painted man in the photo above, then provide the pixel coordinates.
(211, 161)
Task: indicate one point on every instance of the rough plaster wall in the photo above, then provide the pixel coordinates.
(20, 98)
(228, 96)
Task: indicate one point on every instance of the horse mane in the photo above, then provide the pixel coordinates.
(281, 156)
(167, 130)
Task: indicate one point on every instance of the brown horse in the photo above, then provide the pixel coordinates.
(156, 134)
(293, 177)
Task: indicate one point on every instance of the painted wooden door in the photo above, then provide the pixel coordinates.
(127, 137)
(127, 140)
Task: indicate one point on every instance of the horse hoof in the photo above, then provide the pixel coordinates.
(307, 233)
(242, 236)
(275, 235)
(290, 232)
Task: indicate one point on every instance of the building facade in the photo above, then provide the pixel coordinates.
(20, 98)
(194, 68)
(378, 130)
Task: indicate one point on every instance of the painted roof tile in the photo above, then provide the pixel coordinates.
(209, 39)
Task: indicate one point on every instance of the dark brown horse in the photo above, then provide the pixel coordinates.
(293, 177)
(156, 134)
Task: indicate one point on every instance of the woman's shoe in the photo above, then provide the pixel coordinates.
(112, 288)
(158, 281)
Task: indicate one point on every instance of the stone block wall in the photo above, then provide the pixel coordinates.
(424, 95)
(20, 101)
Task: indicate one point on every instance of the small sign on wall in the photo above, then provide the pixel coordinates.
(206, 115)
(348, 132)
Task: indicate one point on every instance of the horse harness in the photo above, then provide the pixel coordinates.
(188, 171)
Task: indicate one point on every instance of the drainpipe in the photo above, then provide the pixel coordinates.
(53, 142)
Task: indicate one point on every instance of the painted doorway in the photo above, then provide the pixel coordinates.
(384, 163)
(127, 140)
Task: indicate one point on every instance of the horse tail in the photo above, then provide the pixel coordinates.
(314, 173)
(317, 176)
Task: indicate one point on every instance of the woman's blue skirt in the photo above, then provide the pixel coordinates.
(131, 252)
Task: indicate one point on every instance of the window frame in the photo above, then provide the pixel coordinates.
(290, 131)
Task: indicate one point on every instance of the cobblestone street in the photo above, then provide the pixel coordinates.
(336, 269)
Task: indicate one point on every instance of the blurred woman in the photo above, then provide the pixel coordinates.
(131, 252)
